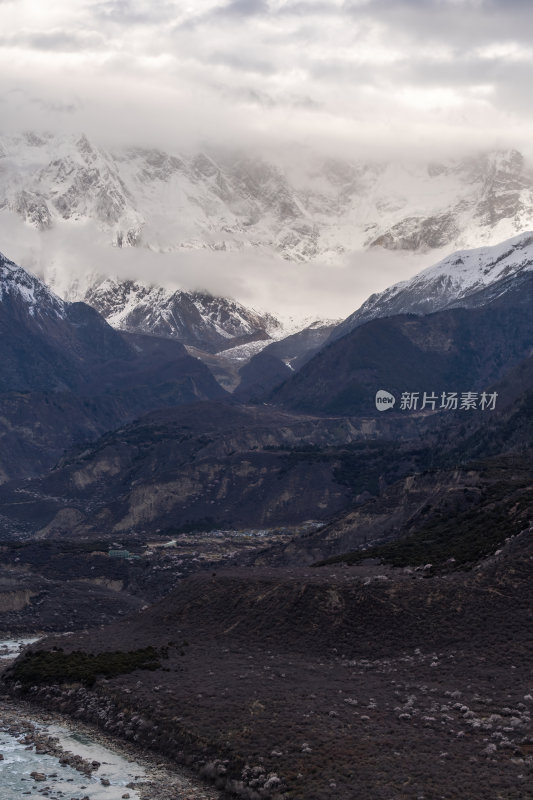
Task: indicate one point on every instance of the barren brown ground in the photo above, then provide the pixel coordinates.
(333, 682)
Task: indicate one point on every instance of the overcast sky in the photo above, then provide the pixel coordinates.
(342, 76)
(333, 73)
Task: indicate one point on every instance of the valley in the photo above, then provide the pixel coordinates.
(62, 585)
(276, 683)
(266, 400)
(277, 585)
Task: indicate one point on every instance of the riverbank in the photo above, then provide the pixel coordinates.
(85, 749)
(47, 754)
(54, 746)
(315, 683)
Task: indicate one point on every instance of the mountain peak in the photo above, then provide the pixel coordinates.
(18, 285)
(197, 319)
(454, 281)
(309, 209)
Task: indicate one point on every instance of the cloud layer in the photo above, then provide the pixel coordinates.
(344, 77)
(266, 282)
(370, 74)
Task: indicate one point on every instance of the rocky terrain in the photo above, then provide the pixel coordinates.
(403, 669)
(437, 518)
(218, 465)
(275, 683)
(212, 464)
(67, 585)
(463, 478)
(309, 208)
(32, 731)
(300, 598)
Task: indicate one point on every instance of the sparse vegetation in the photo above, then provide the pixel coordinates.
(453, 542)
(326, 683)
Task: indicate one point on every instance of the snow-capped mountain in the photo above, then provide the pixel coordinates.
(469, 349)
(45, 179)
(306, 210)
(48, 344)
(467, 278)
(20, 288)
(193, 318)
(310, 209)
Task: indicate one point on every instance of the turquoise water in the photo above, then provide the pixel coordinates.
(9, 648)
(62, 782)
(18, 763)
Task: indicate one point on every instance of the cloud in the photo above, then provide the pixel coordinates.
(359, 75)
(264, 282)
(242, 62)
(349, 78)
(55, 41)
(461, 24)
(129, 12)
(237, 10)
(243, 8)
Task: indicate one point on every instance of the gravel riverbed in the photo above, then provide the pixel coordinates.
(44, 755)
(47, 755)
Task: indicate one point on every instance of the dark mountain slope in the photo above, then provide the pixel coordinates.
(49, 345)
(263, 373)
(455, 350)
(207, 463)
(226, 465)
(273, 365)
(462, 514)
(465, 474)
(46, 344)
(68, 376)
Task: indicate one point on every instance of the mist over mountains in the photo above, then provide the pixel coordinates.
(68, 375)
(230, 201)
(266, 398)
(466, 279)
(226, 221)
(103, 378)
(172, 446)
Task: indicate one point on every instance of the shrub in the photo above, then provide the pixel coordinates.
(45, 666)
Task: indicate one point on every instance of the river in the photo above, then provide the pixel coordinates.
(117, 776)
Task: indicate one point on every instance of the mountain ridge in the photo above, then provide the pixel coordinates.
(466, 279)
(68, 375)
(317, 209)
(453, 350)
(194, 318)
